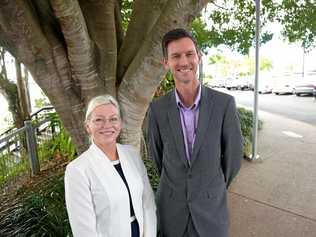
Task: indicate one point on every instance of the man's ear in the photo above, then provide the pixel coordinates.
(164, 62)
(200, 57)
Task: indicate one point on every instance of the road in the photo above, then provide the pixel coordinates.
(301, 108)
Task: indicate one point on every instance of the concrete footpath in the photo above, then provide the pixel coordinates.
(275, 196)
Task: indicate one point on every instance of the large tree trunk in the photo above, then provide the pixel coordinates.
(76, 49)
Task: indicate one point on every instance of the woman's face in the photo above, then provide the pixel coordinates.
(104, 125)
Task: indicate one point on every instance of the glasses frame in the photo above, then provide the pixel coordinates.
(101, 121)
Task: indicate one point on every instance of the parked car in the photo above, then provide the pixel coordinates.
(265, 87)
(314, 93)
(231, 83)
(245, 83)
(216, 83)
(283, 87)
(305, 86)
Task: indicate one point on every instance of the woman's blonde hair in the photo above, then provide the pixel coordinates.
(100, 100)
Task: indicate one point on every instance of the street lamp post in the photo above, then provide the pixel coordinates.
(255, 106)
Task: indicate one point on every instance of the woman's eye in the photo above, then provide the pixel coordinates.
(113, 119)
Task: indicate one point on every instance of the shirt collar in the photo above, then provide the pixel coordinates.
(196, 101)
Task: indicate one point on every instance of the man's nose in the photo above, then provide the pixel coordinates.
(183, 60)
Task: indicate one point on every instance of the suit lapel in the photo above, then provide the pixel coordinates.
(176, 128)
(206, 105)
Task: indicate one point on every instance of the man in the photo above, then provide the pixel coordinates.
(195, 140)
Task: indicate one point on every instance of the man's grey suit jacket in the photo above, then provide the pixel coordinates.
(199, 188)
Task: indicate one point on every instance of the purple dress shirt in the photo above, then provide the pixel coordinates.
(189, 121)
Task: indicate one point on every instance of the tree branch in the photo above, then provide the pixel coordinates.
(79, 46)
(51, 29)
(100, 19)
(144, 16)
(218, 6)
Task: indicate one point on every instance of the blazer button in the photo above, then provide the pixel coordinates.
(190, 176)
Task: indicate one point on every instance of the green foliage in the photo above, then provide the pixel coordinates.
(11, 167)
(232, 23)
(246, 121)
(39, 212)
(166, 85)
(60, 144)
(126, 12)
(298, 19)
(244, 66)
(200, 33)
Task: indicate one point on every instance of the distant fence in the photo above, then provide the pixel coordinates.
(19, 147)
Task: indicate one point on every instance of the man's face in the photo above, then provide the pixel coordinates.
(182, 60)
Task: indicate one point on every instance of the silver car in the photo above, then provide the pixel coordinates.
(305, 86)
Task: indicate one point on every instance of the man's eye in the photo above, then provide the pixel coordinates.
(98, 120)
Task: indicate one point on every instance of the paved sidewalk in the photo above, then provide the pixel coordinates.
(276, 195)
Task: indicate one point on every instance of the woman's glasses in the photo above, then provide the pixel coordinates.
(100, 121)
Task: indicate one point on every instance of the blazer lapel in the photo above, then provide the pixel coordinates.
(205, 110)
(113, 186)
(176, 128)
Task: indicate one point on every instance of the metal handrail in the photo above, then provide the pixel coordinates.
(32, 115)
(42, 109)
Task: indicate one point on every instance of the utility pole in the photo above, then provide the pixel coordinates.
(255, 106)
(303, 65)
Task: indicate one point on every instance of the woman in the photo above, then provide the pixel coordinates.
(107, 188)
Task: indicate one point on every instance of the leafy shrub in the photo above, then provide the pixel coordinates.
(246, 120)
(12, 167)
(38, 211)
(61, 143)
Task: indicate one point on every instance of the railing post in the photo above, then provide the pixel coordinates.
(32, 147)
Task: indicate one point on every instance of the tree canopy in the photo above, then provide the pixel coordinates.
(232, 23)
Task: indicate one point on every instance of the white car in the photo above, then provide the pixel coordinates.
(283, 87)
(265, 87)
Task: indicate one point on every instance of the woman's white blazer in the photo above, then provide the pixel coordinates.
(97, 199)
